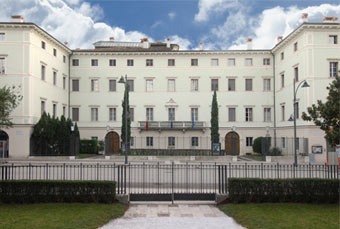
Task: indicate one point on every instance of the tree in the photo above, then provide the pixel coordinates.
(9, 99)
(215, 136)
(327, 115)
(126, 97)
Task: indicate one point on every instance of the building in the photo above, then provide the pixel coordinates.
(171, 89)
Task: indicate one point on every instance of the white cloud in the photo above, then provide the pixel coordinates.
(183, 43)
(73, 2)
(156, 24)
(171, 15)
(207, 7)
(95, 12)
(280, 21)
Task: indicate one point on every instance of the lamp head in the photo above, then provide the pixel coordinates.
(121, 80)
(305, 84)
(291, 118)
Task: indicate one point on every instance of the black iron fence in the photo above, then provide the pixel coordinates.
(166, 180)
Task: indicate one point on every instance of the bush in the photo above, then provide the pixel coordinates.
(89, 146)
(100, 145)
(257, 145)
(274, 152)
(18, 191)
(283, 190)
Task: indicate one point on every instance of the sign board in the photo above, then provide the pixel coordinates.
(317, 149)
(216, 149)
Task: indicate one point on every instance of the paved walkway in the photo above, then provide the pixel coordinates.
(179, 216)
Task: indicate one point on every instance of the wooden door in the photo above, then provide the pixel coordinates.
(232, 143)
(112, 139)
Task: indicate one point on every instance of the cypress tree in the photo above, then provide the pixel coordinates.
(126, 97)
(215, 136)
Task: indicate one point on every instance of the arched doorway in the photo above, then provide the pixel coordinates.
(232, 143)
(112, 142)
(4, 144)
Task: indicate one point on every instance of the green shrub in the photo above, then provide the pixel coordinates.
(274, 152)
(101, 145)
(89, 146)
(257, 145)
(37, 191)
(283, 190)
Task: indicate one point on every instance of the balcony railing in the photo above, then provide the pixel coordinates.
(176, 125)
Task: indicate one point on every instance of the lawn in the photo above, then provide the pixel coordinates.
(284, 215)
(86, 155)
(58, 215)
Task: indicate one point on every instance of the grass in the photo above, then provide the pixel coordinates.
(58, 215)
(256, 157)
(85, 155)
(284, 215)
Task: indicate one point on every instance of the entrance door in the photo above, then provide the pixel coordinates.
(4, 144)
(112, 142)
(232, 143)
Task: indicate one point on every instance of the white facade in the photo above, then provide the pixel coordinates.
(249, 84)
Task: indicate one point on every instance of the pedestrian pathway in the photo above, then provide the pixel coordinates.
(179, 216)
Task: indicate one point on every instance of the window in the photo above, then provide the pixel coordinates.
(266, 61)
(333, 69)
(249, 114)
(171, 141)
(149, 62)
(283, 112)
(112, 85)
(333, 39)
(282, 55)
(75, 62)
(194, 141)
(248, 61)
(267, 114)
(249, 84)
(54, 110)
(112, 114)
(2, 36)
(171, 85)
(283, 142)
(297, 110)
(54, 78)
(43, 72)
(297, 143)
(94, 62)
(231, 84)
(64, 59)
(75, 114)
(94, 114)
(231, 114)
(94, 85)
(194, 114)
(132, 141)
(295, 46)
(194, 62)
(131, 85)
(282, 80)
(149, 141)
(75, 85)
(149, 114)
(43, 45)
(42, 107)
(112, 62)
(171, 114)
(54, 52)
(130, 62)
(64, 111)
(149, 85)
(171, 62)
(249, 141)
(231, 62)
(132, 114)
(296, 74)
(266, 85)
(214, 84)
(214, 62)
(2, 66)
(194, 84)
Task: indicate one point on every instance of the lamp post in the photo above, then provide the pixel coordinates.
(124, 81)
(293, 117)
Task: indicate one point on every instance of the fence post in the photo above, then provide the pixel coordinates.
(97, 171)
(262, 170)
(172, 183)
(29, 171)
(64, 172)
(81, 171)
(245, 166)
(118, 185)
(278, 170)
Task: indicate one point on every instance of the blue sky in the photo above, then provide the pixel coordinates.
(219, 24)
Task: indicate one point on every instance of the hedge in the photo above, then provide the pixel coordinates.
(88, 146)
(283, 190)
(37, 191)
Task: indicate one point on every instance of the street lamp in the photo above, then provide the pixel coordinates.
(124, 81)
(293, 117)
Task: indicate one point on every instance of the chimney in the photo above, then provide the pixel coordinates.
(112, 38)
(279, 39)
(249, 43)
(145, 43)
(330, 19)
(17, 18)
(168, 42)
(304, 17)
(65, 43)
(201, 45)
